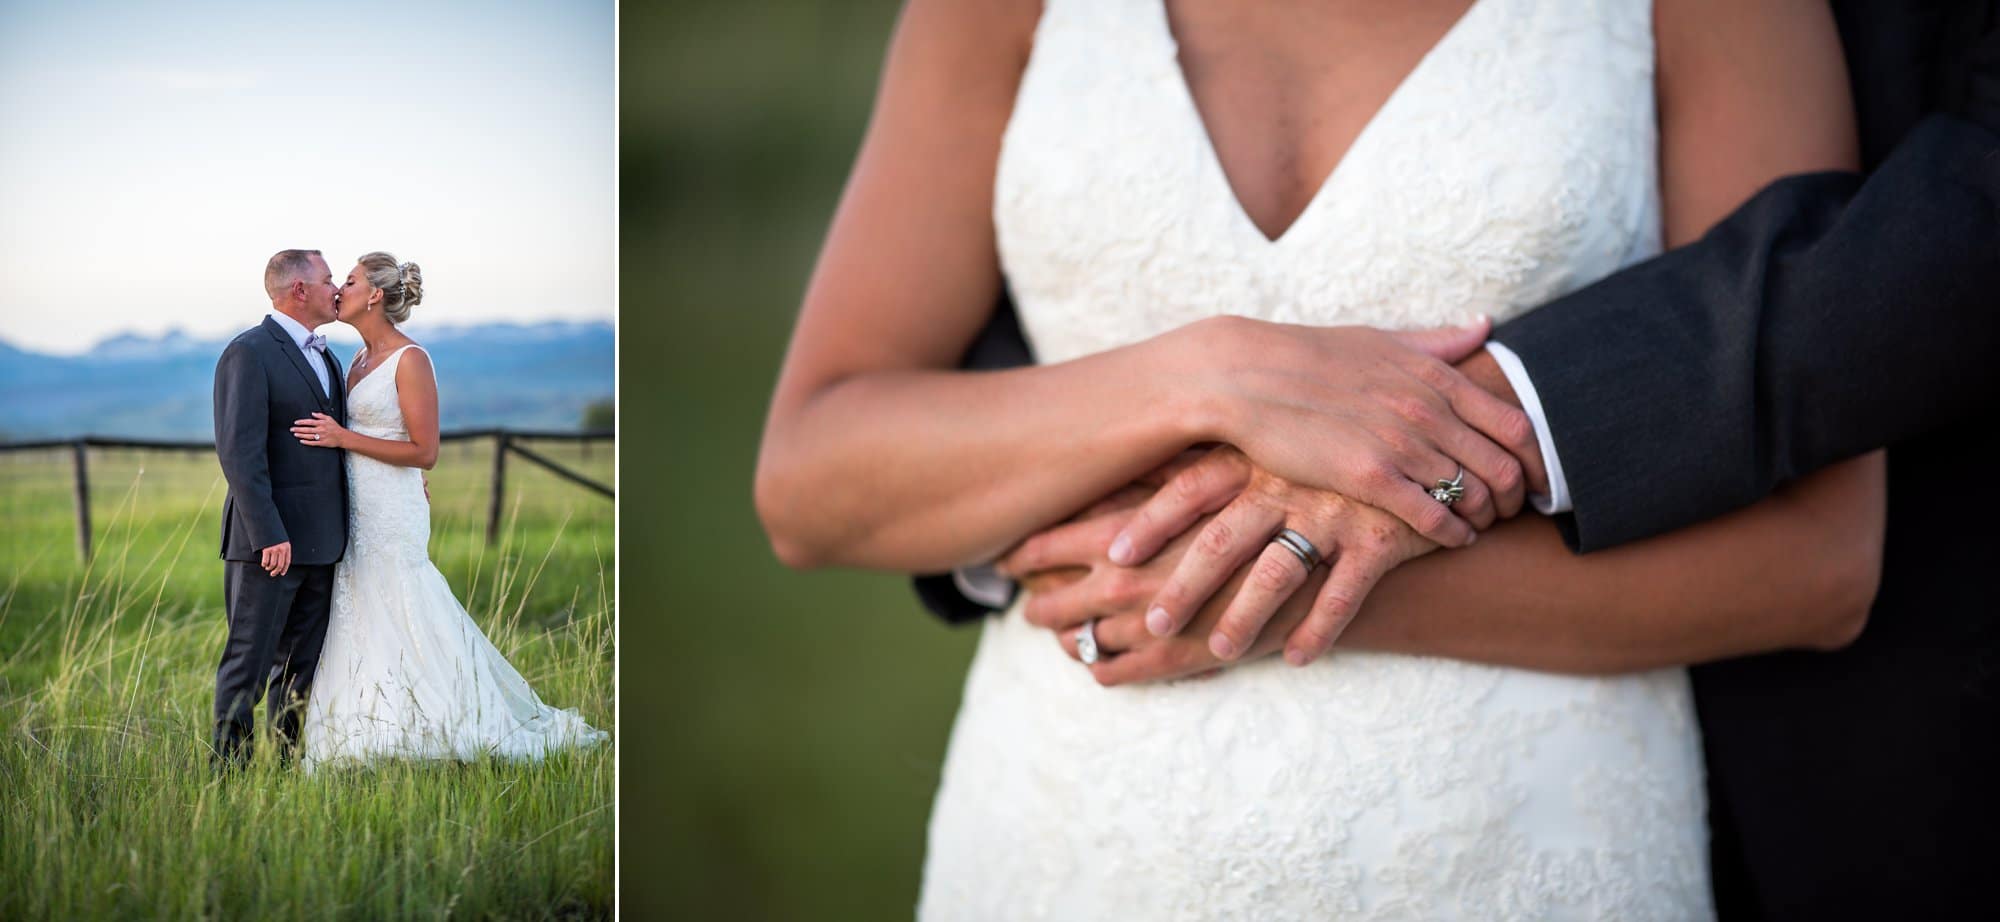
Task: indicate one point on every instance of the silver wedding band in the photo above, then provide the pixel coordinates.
(1086, 643)
(1300, 547)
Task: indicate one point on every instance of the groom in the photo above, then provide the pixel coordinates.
(284, 521)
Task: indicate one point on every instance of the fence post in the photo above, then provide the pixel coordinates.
(77, 452)
(499, 486)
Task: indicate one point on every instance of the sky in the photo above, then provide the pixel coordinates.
(155, 155)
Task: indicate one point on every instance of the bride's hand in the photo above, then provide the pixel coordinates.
(320, 431)
(1374, 415)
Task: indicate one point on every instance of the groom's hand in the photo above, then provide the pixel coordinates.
(1358, 543)
(278, 558)
(1069, 581)
(1133, 656)
(1209, 571)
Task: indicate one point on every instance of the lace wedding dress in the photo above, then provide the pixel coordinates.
(405, 673)
(1514, 164)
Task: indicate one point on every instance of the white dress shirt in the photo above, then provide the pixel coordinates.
(1517, 378)
(314, 358)
(983, 584)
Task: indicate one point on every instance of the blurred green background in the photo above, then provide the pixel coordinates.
(783, 731)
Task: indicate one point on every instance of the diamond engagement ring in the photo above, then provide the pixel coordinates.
(1299, 546)
(1450, 491)
(1086, 643)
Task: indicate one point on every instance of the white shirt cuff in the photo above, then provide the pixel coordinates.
(984, 585)
(1517, 378)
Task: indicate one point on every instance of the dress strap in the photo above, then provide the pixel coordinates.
(427, 354)
(396, 357)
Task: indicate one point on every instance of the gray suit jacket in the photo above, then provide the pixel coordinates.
(279, 489)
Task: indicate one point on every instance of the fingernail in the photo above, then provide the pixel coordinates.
(1121, 549)
(1220, 646)
(1296, 657)
(1158, 622)
(1475, 537)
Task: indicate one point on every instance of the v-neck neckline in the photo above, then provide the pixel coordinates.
(1326, 182)
(384, 364)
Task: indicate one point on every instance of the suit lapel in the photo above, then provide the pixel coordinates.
(338, 376)
(298, 360)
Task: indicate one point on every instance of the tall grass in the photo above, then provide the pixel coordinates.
(108, 808)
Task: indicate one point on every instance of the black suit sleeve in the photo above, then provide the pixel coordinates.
(1825, 318)
(942, 597)
(242, 430)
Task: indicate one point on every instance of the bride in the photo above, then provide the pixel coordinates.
(1134, 168)
(405, 672)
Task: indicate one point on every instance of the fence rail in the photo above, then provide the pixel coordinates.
(505, 441)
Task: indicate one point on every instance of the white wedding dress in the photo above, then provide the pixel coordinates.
(1514, 164)
(405, 673)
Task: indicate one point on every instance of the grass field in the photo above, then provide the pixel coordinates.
(107, 806)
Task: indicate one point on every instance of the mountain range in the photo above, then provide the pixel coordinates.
(526, 376)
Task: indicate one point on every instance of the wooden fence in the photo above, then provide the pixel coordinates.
(506, 441)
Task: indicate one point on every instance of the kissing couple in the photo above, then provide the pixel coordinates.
(337, 617)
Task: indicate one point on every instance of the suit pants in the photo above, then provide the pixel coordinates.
(276, 627)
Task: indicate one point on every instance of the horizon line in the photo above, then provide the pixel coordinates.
(452, 325)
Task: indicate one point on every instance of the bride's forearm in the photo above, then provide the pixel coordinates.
(1797, 570)
(926, 469)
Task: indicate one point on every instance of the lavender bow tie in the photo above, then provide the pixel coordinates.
(315, 342)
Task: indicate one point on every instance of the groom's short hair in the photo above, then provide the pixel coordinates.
(284, 268)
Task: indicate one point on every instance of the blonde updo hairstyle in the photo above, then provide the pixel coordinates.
(402, 284)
